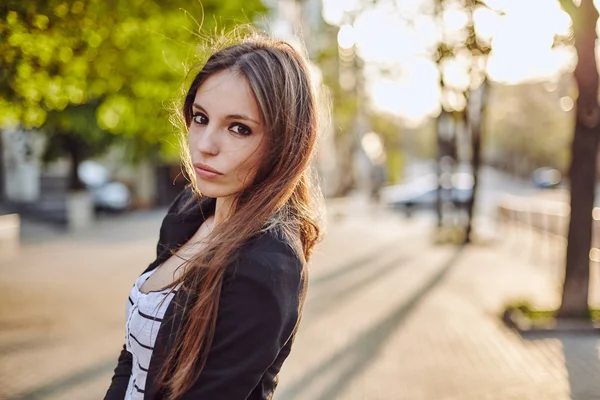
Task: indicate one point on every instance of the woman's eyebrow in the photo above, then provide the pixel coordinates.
(231, 116)
(199, 107)
(244, 117)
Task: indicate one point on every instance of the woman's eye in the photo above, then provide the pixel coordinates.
(200, 119)
(240, 129)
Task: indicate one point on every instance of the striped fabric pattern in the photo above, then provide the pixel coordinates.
(144, 314)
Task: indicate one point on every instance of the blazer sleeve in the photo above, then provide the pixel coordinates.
(122, 372)
(120, 379)
(258, 312)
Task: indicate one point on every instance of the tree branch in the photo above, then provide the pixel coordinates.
(569, 7)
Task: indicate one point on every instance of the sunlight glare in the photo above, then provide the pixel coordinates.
(346, 37)
(522, 53)
(413, 96)
(566, 103)
(454, 19)
(375, 29)
(412, 9)
(455, 73)
(486, 23)
(427, 32)
(562, 23)
(373, 146)
(334, 11)
(453, 101)
(455, 70)
(521, 39)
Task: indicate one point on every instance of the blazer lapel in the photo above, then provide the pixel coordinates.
(177, 228)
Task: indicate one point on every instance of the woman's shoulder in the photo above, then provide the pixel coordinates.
(271, 256)
(181, 200)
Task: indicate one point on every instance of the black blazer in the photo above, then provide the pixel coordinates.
(257, 318)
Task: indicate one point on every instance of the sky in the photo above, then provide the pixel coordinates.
(399, 36)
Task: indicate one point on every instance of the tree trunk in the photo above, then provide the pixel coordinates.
(475, 162)
(2, 171)
(582, 174)
(74, 148)
(475, 121)
(441, 152)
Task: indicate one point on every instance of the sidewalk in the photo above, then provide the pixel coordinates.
(417, 322)
(388, 317)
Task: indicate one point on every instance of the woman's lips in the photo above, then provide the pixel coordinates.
(206, 172)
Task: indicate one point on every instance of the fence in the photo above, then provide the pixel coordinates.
(538, 228)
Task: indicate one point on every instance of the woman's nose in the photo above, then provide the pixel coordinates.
(208, 141)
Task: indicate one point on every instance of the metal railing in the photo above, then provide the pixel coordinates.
(538, 227)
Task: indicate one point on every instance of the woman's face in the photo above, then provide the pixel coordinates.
(226, 135)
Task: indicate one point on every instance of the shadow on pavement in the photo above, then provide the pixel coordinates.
(38, 342)
(355, 357)
(582, 360)
(68, 382)
(329, 297)
(355, 265)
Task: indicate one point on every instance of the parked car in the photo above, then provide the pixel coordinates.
(546, 178)
(107, 195)
(422, 193)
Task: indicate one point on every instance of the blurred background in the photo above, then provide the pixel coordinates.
(458, 159)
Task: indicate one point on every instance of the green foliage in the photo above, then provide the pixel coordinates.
(391, 132)
(388, 127)
(104, 70)
(396, 161)
(534, 314)
(526, 122)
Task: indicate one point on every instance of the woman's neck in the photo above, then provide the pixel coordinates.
(223, 209)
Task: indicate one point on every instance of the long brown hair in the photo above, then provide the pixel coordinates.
(282, 194)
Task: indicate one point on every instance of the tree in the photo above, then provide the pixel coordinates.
(582, 174)
(475, 109)
(471, 110)
(335, 67)
(88, 74)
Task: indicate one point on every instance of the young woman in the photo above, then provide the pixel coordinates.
(214, 316)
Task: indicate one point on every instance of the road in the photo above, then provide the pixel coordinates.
(493, 185)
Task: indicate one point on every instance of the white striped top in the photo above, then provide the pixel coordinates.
(143, 318)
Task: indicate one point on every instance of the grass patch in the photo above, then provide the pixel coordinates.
(528, 311)
(449, 235)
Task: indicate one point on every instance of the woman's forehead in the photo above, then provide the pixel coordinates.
(227, 92)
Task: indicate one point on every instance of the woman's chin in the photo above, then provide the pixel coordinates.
(209, 190)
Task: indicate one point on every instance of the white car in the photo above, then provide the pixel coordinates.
(106, 194)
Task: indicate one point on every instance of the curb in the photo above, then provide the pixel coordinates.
(516, 320)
